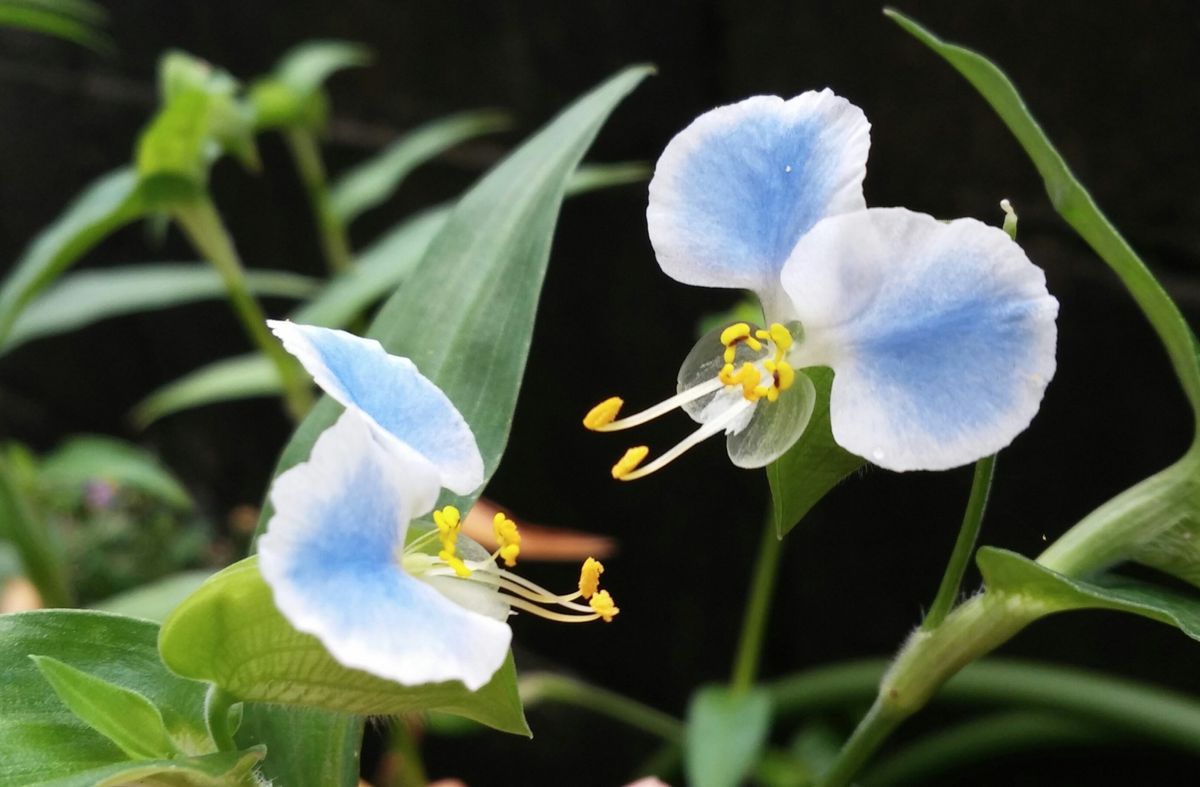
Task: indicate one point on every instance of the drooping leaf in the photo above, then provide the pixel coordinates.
(1073, 202)
(1047, 591)
(80, 299)
(230, 633)
(154, 600)
(41, 558)
(811, 467)
(373, 181)
(108, 203)
(380, 269)
(94, 458)
(41, 740)
(122, 715)
(726, 734)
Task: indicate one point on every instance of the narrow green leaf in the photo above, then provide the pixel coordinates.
(155, 600)
(379, 270)
(230, 633)
(1074, 203)
(61, 22)
(726, 733)
(1044, 591)
(40, 555)
(95, 458)
(123, 716)
(811, 467)
(372, 182)
(80, 299)
(108, 203)
(478, 283)
(40, 739)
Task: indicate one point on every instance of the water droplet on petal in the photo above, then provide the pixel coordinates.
(788, 168)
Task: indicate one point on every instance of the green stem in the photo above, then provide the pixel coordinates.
(980, 739)
(404, 745)
(758, 607)
(1131, 707)
(968, 534)
(202, 224)
(871, 731)
(1139, 515)
(217, 703)
(547, 687)
(307, 155)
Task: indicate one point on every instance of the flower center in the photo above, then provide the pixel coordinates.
(514, 590)
(751, 359)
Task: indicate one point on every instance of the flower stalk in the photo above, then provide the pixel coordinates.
(303, 146)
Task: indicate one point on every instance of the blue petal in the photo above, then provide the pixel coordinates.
(735, 190)
(941, 335)
(390, 392)
(330, 555)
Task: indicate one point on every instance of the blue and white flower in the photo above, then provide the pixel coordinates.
(345, 555)
(941, 336)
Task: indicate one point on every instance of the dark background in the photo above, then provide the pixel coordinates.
(1114, 84)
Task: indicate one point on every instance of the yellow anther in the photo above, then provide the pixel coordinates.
(726, 374)
(749, 377)
(753, 344)
(508, 537)
(603, 604)
(782, 338)
(763, 334)
(730, 354)
(460, 568)
(589, 577)
(785, 375)
(629, 462)
(734, 334)
(603, 414)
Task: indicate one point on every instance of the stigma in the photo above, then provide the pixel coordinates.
(738, 368)
(514, 590)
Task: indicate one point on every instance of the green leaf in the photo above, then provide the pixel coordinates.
(1044, 591)
(106, 204)
(811, 467)
(726, 733)
(322, 751)
(80, 299)
(71, 21)
(1074, 203)
(40, 739)
(372, 182)
(40, 555)
(478, 283)
(261, 658)
(291, 95)
(123, 716)
(379, 270)
(155, 600)
(92, 458)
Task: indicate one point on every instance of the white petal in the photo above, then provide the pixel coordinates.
(329, 555)
(734, 191)
(391, 392)
(941, 335)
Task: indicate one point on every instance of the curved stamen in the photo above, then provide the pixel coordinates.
(650, 413)
(542, 612)
(707, 430)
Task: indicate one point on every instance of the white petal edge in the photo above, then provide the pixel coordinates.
(426, 422)
(329, 557)
(725, 207)
(941, 335)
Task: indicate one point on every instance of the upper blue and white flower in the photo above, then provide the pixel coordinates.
(941, 336)
(347, 559)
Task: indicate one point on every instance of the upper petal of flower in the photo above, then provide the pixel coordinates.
(941, 335)
(330, 555)
(390, 392)
(734, 191)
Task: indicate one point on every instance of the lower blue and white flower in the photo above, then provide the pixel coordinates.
(347, 555)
